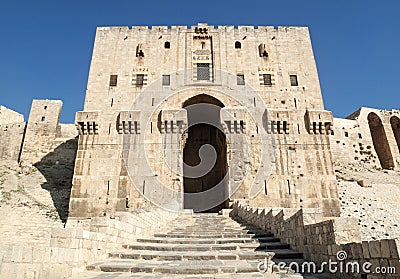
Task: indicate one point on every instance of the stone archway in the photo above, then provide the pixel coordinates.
(380, 141)
(200, 134)
(395, 123)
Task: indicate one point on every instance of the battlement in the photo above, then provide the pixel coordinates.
(210, 28)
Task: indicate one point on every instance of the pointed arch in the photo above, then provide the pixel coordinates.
(395, 123)
(380, 141)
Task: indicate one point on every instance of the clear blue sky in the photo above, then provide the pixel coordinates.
(45, 46)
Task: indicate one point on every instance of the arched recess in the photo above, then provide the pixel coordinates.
(395, 122)
(380, 141)
(198, 135)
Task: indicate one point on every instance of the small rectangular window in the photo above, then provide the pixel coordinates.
(267, 79)
(139, 79)
(166, 80)
(359, 136)
(240, 79)
(203, 71)
(43, 119)
(293, 80)
(113, 80)
(45, 107)
(346, 134)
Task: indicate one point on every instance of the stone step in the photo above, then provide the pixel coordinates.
(200, 244)
(202, 247)
(213, 235)
(207, 241)
(188, 267)
(205, 255)
(177, 267)
(210, 230)
(142, 275)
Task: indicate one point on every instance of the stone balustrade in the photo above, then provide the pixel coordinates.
(320, 239)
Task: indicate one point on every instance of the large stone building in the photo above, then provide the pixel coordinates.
(197, 118)
(264, 84)
(142, 127)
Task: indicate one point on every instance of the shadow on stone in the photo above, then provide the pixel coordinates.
(58, 169)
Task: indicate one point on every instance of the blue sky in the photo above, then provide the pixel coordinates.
(45, 46)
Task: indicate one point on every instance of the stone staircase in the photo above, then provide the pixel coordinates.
(208, 245)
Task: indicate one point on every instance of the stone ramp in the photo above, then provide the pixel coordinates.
(198, 246)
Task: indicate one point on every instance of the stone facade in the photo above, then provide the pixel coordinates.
(138, 76)
(276, 144)
(135, 127)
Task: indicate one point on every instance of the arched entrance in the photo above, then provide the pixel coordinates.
(380, 141)
(203, 113)
(395, 122)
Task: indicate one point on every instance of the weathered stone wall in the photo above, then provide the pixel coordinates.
(289, 53)
(46, 140)
(8, 116)
(80, 244)
(11, 137)
(41, 130)
(320, 240)
(12, 129)
(352, 141)
(302, 174)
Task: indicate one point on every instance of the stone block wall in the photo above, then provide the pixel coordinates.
(382, 255)
(320, 240)
(294, 115)
(8, 116)
(80, 243)
(289, 53)
(12, 130)
(11, 138)
(42, 128)
(40, 140)
(354, 142)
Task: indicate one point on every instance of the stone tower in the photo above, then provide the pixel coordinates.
(156, 96)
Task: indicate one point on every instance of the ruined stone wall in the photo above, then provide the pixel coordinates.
(41, 130)
(352, 140)
(12, 129)
(8, 116)
(46, 140)
(11, 136)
